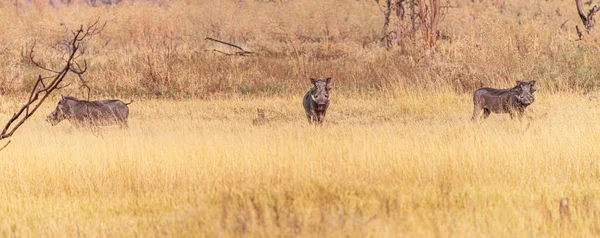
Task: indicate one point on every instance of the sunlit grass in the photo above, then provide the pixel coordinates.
(200, 168)
(398, 155)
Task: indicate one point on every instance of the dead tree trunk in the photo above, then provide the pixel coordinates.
(434, 22)
(429, 16)
(44, 86)
(587, 19)
(425, 16)
(386, 24)
(394, 27)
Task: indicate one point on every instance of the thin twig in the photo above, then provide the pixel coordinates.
(241, 53)
(223, 42)
(36, 63)
(5, 145)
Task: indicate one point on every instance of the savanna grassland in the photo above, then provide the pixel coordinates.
(398, 155)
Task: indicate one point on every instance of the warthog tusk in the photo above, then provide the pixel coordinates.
(313, 97)
(4, 146)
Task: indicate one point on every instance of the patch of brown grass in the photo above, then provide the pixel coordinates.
(159, 49)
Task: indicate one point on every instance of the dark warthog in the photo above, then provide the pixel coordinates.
(260, 118)
(316, 100)
(94, 113)
(511, 100)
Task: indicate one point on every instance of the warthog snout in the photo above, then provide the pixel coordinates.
(53, 121)
(524, 91)
(55, 117)
(526, 100)
(321, 107)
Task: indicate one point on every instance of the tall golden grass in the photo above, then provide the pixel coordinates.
(411, 166)
(398, 155)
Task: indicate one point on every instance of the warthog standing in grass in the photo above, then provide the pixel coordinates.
(511, 100)
(90, 113)
(316, 100)
(260, 118)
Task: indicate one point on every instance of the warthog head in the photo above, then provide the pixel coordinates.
(320, 92)
(60, 113)
(524, 92)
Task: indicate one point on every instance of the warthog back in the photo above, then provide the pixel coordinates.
(82, 112)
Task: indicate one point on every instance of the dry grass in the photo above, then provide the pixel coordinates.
(398, 155)
(411, 166)
(159, 50)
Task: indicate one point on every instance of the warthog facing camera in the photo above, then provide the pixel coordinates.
(316, 100)
(260, 118)
(85, 113)
(511, 100)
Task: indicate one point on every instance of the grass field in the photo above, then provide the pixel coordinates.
(158, 50)
(398, 155)
(412, 165)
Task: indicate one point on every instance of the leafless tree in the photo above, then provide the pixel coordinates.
(430, 16)
(425, 16)
(587, 19)
(392, 35)
(44, 86)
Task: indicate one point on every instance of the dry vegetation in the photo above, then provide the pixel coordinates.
(398, 155)
(159, 49)
(417, 166)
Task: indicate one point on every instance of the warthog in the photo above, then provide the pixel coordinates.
(316, 100)
(511, 100)
(260, 118)
(85, 113)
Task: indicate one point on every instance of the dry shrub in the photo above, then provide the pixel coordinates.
(158, 48)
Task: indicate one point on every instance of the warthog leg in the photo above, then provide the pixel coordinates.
(486, 113)
(476, 110)
(310, 118)
(316, 119)
(321, 117)
(517, 113)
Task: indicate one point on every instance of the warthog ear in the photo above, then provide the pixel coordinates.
(532, 83)
(519, 82)
(313, 81)
(328, 80)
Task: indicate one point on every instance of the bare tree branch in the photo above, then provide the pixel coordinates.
(588, 21)
(242, 52)
(5, 145)
(79, 72)
(425, 16)
(63, 86)
(36, 63)
(223, 42)
(580, 11)
(41, 89)
(579, 33)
